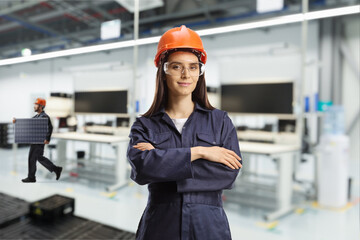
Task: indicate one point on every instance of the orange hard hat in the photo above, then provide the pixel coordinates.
(180, 37)
(40, 101)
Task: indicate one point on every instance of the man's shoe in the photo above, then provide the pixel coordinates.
(58, 171)
(28, 180)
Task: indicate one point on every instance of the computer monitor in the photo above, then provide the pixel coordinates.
(107, 102)
(258, 98)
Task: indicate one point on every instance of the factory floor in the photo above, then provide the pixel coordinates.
(123, 208)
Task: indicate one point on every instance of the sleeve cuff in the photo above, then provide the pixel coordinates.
(188, 165)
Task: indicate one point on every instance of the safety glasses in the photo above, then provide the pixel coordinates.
(194, 69)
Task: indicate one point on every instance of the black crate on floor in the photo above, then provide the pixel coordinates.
(30, 229)
(56, 227)
(99, 231)
(52, 208)
(12, 209)
(68, 227)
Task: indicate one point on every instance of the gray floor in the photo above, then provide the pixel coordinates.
(123, 208)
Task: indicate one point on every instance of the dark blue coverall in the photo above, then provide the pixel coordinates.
(37, 151)
(185, 199)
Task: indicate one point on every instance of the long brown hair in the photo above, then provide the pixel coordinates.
(199, 94)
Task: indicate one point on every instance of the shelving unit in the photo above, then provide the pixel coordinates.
(6, 135)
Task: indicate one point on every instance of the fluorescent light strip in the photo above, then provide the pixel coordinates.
(80, 50)
(332, 12)
(259, 24)
(283, 20)
(239, 27)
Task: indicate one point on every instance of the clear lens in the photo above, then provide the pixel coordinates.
(177, 69)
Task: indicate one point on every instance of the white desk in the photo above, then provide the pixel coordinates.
(267, 148)
(101, 138)
(122, 131)
(120, 142)
(285, 155)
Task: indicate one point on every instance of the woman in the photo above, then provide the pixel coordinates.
(185, 149)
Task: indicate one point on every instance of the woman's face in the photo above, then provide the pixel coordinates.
(183, 75)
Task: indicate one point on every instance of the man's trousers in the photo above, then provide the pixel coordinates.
(36, 154)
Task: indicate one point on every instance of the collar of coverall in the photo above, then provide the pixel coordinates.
(197, 107)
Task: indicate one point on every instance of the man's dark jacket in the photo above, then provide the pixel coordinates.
(50, 127)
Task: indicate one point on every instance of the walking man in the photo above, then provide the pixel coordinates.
(37, 150)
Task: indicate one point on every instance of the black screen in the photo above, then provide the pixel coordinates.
(101, 102)
(273, 98)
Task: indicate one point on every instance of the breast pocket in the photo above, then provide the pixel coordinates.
(160, 140)
(206, 140)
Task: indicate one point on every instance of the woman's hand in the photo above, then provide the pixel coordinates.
(144, 146)
(221, 155)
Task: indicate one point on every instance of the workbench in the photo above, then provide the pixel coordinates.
(120, 143)
(285, 155)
